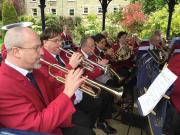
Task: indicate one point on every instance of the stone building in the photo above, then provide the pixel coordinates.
(72, 7)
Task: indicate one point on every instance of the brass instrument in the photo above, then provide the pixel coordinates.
(110, 70)
(87, 64)
(123, 53)
(159, 55)
(92, 84)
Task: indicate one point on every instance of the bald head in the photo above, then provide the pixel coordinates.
(18, 36)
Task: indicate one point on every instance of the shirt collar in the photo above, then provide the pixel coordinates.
(99, 49)
(85, 55)
(21, 70)
(55, 57)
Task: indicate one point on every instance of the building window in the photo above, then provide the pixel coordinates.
(34, 11)
(99, 10)
(33, 0)
(71, 12)
(115, 9)
(85, 10)
(52, 11)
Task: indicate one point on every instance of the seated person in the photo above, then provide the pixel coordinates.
(51, 47)
(27, 101)
(67, 38)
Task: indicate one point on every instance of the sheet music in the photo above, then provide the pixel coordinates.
(156, 91)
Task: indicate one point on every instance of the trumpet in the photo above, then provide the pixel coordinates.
(87, 64)
(93, 88)
(109, 70)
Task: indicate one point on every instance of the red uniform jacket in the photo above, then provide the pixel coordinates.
(68, 38)
(3, 52)
(21, 107)
(97, 52)
(174, 66)
(65, 38)
(44, 69)
(97, 71)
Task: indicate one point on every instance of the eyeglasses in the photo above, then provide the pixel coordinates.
(55, 40)
(37, 48)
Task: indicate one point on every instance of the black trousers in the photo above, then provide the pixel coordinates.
(81, 126)
(95, 108)
(90, 106)
(106, 105)
(77, 130)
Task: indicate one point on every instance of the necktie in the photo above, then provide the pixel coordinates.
(101, 54)
(60, 61)
(33, 81)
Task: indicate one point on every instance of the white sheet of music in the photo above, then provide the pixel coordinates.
(156, 91)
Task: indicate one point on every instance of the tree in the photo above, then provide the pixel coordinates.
(9, 14)
(150, 6)
(133, 18)
(158, 20)
(19, 6)
(0, 9)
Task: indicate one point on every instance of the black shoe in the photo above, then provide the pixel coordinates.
(106, 127)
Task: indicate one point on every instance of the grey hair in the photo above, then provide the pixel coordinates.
(14, 37)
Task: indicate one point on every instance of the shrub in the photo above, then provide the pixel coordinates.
(9, 14)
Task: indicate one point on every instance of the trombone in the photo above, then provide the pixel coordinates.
(90, 87)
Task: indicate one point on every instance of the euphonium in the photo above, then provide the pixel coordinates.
(123, 53)
(93, 88)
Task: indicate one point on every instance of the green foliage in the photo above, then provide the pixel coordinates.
(114, 17)
(112, 24)
(150, 6)
(93, 24)
(53, 21)
(26, 18)
(0, 9)
(77, 20)
(159, 20)
(9, 14)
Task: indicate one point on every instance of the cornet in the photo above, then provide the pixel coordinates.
(94, 88)
(87, 64)
(109, 70)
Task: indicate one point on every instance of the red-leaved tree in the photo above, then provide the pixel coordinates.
(133, 18)
(19, 6)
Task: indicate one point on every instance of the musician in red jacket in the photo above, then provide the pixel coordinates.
(53, 54)
(66, 36)
(87, 49)
(26, 100)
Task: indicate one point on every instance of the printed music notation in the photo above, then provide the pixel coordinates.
(156, 91)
